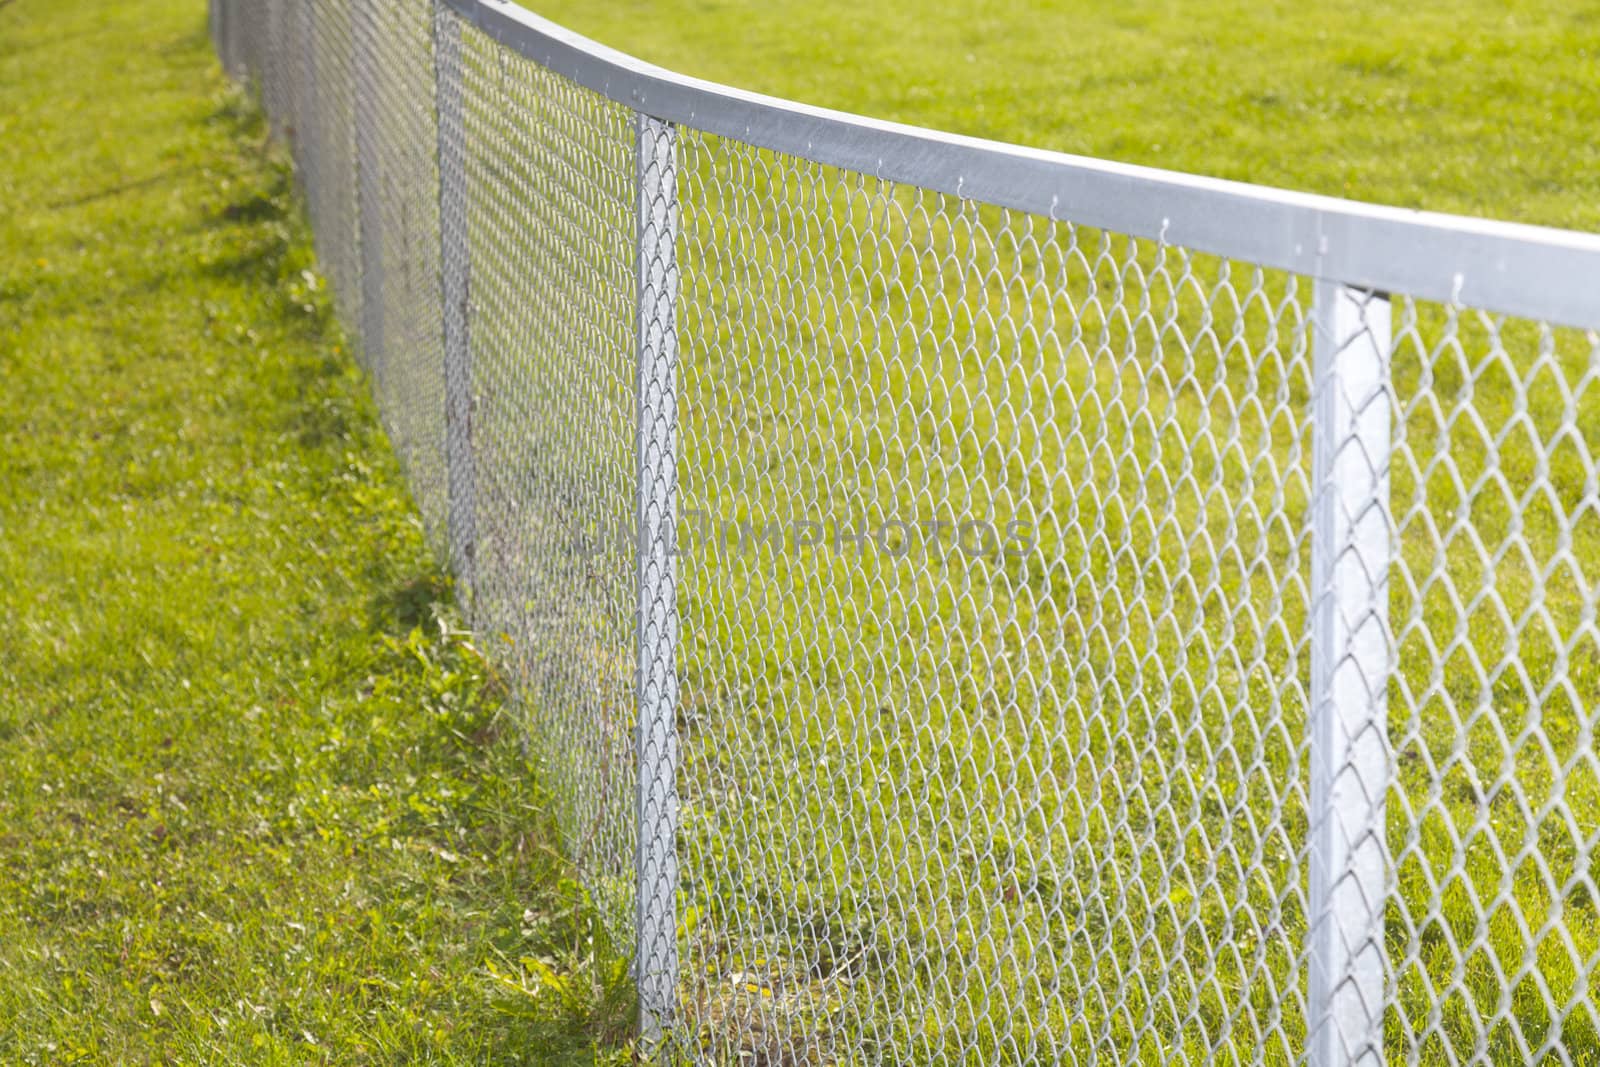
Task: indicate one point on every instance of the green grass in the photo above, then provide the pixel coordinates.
(259, 798)
(1480, 107)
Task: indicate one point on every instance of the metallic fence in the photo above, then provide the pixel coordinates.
(973, 604)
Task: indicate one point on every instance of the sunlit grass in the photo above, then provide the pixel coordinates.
(259, 802)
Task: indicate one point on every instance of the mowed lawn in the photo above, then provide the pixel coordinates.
(1480, 107)
(259, 802)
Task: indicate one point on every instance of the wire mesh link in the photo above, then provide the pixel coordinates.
(1048, 645)
(408, 372)
(1493, 930)
(550, 215)
(455, 277)
(276, 70)
(323, 138)
(997, 770)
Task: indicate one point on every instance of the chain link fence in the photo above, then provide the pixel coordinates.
(975, 605)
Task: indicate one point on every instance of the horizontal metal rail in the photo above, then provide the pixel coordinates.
(1532, 271)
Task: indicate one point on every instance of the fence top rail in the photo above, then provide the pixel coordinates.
(1531, 271)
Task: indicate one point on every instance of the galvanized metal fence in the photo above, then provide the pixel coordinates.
(973, 604)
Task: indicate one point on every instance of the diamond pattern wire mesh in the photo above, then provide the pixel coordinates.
(408, 372)
(329, 138)
(945, 793)
(550, 215)
(999, 732)
(1495, 815)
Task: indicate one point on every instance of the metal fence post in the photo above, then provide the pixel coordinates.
(304, 91)
(226, 17)
(656, 949)
(308, 135)
(1350, 662)
(455, 265)
(369, 186)
(269, 71)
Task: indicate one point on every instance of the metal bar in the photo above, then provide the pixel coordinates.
(273, 89)
(1523, 270)
(245, 35)
(293, 69)
(225, 21)
(455, 266)
(656, 956)
(308, 139)
(309, 118)
(1351, 552)
(368, 108)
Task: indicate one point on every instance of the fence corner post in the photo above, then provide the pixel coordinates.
(1351, 657)
(656, 860)
(455, 265)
